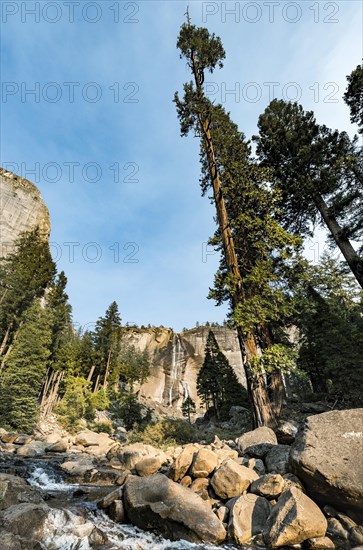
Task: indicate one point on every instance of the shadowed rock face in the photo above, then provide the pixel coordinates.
(21, 209)
(177, 359)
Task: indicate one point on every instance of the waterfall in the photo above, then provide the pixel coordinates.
(177, 363)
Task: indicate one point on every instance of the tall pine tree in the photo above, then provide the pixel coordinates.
(217, 383)
(107, 340)
(252, 243)
(22, 379)
(318, 174)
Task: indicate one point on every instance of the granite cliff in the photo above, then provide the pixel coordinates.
(21, 209)
(177, 359)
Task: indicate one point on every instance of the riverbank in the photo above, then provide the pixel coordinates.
(303, 486)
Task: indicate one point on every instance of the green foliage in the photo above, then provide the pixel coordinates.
(99, 400)
(107, 343)
(57, 301)
(21, 381)
(24, 276)
(275, 358)
(188, 408)
(166, 432)
(309, 161)
(217, 383)
(134, 365)
(265, 251)
(126, 408)
(331, 331)
(76, 354)
(353, 96)
(79, 403)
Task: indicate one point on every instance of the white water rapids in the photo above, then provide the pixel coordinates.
(65, 530)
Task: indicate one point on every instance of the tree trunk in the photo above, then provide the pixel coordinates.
(263, 414)
(107, 369)
(10, 347)
(5, 339)
(276, 391)
(353, 260)
(275, 385)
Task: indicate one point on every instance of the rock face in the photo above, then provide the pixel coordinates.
(156, 502)
(326, 457)
(177, 359)
(21, 209)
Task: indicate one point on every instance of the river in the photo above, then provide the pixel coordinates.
(64, 531)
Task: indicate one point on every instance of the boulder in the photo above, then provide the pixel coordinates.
(325, 456)
(225, 453)
(222, 513)
(80, 469)
(269, 486)
(59, 446)
(182, 462)
(293, 519)
(356, 535)
(9, 541)
(107, 500)
(291, 480)
(248, 517)
(148, 466)
(256, 464)
(257, 442)
(99, 442)
(319, 543)
(200, 486)
(232, 479)
(26, 520)
(277, 459)
(15, 490)
(286, 431)
(23, 439)
(158, 503)
(9, 437)
(116, 511)
(130, 455)
(205, 461)
(120, 480)
(35, 448)
(186, 481)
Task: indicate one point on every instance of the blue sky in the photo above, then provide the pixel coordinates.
(100, 136)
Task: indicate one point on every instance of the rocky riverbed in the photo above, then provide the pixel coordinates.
(299, 487)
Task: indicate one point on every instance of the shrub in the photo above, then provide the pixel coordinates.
(166, 432)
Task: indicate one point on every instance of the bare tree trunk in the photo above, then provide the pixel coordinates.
(3, 296)
(107, 369)
(5, 339)
(353, 260)
(89, 377)
(10, 346)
